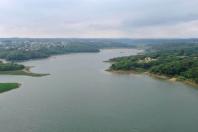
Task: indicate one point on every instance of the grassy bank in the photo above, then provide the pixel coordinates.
(4, 87)
(23, 72)
(11, 68)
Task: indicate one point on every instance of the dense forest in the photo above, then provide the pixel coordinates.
(178, 60)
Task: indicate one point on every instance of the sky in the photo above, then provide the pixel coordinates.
(99, 18)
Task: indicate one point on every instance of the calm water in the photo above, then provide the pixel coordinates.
(79, 96)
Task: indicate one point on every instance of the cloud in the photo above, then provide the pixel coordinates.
(181, 30)
(94, 18)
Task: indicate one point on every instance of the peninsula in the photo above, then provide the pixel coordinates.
(175, 61)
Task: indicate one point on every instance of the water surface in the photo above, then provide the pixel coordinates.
(79, 96)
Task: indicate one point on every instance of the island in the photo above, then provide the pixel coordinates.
(175, 61)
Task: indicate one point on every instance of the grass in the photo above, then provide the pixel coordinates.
(8, 86)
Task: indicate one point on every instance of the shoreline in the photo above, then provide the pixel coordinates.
(156, 76)
(24, 72)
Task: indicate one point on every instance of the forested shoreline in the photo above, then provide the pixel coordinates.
(172, 60)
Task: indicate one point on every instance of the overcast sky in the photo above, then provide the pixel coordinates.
(99, 18)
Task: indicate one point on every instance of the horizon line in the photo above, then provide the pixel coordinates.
(96, 38)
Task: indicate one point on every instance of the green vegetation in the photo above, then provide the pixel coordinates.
(17, 55)
(26, 49)
(172, 60)
(8, 86)
(10, 67)
(23, 73)
(17, 69)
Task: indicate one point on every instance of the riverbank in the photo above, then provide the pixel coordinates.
(4, 87)
(24, 72)
(156, 76)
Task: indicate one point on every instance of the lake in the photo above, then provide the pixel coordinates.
(80, 96)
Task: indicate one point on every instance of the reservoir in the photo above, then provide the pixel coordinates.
(80, 96)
